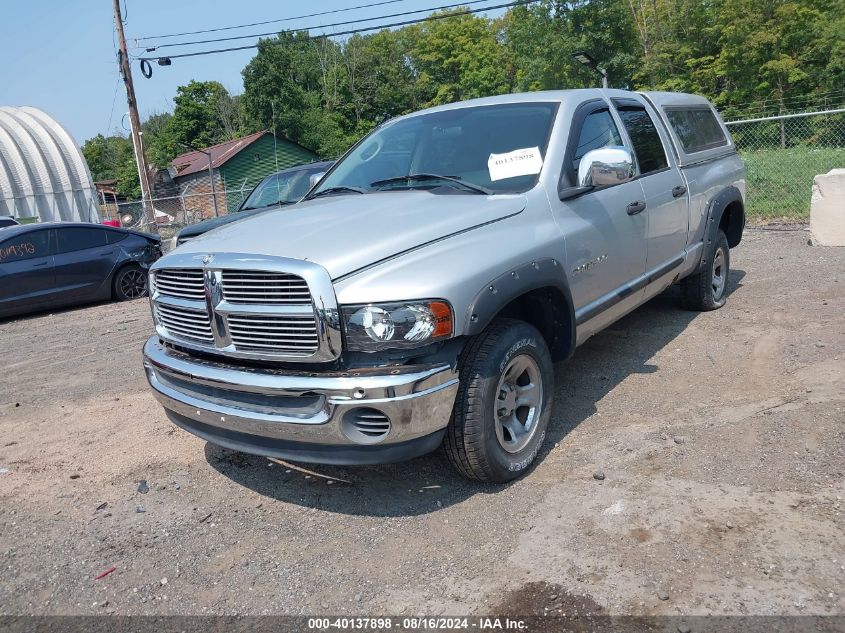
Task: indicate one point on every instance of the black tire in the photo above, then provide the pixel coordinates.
(704, 290)
(130, 282)
(473, 441)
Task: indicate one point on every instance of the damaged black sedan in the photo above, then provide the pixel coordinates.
(48, 266)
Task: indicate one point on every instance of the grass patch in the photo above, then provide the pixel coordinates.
(780, 181)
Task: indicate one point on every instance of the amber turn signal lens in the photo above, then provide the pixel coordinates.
(443, 318)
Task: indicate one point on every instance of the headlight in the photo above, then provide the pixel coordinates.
(381, 326)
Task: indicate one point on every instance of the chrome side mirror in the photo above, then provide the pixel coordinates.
(611, 165)
(315, 178)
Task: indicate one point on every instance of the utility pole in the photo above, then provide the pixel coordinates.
(134, 119)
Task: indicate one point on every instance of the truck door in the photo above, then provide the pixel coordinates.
(664, 186)
(605, 230)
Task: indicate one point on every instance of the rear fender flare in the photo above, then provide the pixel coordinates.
(715, 209)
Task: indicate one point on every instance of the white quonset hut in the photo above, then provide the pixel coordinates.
(42, 171)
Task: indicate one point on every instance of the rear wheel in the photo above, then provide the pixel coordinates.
(707, 289)
(130, 283)
(503, 404)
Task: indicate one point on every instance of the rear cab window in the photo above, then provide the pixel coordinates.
(25, 246)
(696, 128)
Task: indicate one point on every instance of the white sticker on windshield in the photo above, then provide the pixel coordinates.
(520, 162)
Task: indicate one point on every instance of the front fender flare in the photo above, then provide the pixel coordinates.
(509, 286)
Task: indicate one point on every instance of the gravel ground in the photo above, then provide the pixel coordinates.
(720, 437)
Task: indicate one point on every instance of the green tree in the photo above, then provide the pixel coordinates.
(605, 29)
(766, 49)
(299, 87)
(202, 116)
(380, 80)
(457, 58)
(276, 84)
(157, 140)
(113, 157)
(529, 33)
(126, 172)
(101, 155)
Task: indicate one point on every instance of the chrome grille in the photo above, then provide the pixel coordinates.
(252, 307)
(185, 283)
(256, 286)
(293, 335)
(185, 323)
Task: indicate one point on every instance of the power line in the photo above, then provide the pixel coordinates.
(165, 60)
(113, 101)
(244, 26)
(308, 28)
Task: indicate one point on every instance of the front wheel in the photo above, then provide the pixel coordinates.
(503, 404)
(130, 283)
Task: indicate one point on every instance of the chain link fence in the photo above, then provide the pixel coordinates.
(782, 155)
(214, 181)
(198, 201)
(172, 213)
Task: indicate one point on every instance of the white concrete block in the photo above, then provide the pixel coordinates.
(827, 209)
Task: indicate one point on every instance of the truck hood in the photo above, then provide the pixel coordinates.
(345, 233)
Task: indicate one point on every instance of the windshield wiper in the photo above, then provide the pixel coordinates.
(451, 179)
(335, 190)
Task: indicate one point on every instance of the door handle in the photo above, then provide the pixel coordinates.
(678, 191)
(636, 207)
(39, 265)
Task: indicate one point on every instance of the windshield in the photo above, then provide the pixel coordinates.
(483, 149)
(283, 188)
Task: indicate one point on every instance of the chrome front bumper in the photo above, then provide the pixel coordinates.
(299, 415)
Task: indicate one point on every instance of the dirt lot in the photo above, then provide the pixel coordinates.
(721, 437)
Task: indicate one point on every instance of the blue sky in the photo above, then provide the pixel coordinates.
(59, 55)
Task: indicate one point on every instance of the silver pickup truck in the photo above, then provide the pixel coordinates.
(419, 294)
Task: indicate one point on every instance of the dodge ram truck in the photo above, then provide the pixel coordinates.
(419, 294)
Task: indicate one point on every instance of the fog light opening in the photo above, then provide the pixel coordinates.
(365, 425)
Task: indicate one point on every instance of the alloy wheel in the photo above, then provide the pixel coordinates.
(519, 403)
(133, 284)
(720, 273)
